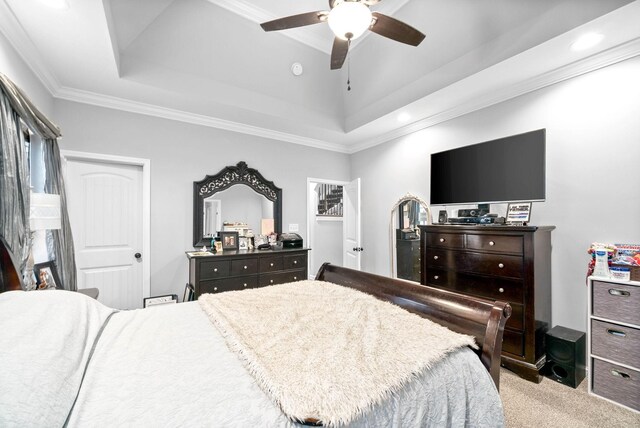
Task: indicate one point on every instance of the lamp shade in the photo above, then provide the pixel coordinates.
(45, 212)
(348, 20)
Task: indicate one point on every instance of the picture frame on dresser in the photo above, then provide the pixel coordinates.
(519, 213)
(229, 240)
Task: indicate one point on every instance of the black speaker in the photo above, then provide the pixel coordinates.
(566, 355)
(442, 216)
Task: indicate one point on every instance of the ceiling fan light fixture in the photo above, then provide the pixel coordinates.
(349, 19)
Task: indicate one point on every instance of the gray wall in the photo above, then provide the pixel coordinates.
(593, 153)
(182, 153)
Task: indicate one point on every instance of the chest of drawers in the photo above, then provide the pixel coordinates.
(613, 341)
(237, 270)
(508, 263)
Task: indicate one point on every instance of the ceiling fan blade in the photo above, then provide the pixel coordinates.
(331, 3)
(295, 21)
(396, 30)
(339, 53)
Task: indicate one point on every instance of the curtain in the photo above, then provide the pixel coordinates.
(14, 184)
(59, 242)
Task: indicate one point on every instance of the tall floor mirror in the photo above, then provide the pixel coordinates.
(404, 236)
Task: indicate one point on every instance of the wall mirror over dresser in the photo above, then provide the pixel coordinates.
(239, 199)
(404, 240)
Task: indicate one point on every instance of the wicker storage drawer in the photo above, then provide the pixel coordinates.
(214, 269)
(244, 267)
(496, 243)
(445, 240)
(616, 383)
(270, 264)
(615, 342)
(616, 302)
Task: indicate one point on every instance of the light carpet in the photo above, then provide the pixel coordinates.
(326, 352)
(551, 404)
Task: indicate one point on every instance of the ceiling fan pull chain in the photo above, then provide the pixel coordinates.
(348, 66)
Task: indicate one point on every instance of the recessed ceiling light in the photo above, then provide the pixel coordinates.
(587, 41)
(56, 4)
(404, 117)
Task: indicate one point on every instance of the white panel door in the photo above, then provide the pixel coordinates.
(352, 244)
(105, 211)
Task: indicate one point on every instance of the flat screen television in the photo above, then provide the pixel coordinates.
(509, 169)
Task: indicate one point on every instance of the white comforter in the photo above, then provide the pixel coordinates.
(168, 366)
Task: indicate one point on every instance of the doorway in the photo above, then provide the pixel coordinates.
(109, 210)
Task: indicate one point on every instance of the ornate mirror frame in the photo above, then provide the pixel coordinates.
(227, 177)
(392, 236)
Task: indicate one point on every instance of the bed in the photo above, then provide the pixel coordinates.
(67, 360)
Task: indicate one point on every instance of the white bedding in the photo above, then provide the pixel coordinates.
(168, 366)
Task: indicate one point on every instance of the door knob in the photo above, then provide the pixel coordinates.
(137, 255)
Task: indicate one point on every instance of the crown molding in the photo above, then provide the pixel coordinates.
(597, 61)
(11, 28)
(107, 101)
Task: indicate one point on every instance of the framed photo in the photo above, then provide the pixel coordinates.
(229, 240)
(243, 244)
(47, 275)
(261, 239)
(188, 293)
(519, 213)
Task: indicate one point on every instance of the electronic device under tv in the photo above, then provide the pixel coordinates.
(508, 169)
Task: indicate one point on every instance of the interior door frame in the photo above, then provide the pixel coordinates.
(311, 216)
(146, 200)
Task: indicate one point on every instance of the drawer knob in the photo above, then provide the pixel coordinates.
(501, 265)
(436, 277)
(442, 240)
(295, 278)
(215, 269)
(435, 257)
(271, 281)
(620, 374)
(616, 333)
(244, 285)
(295, 262)
(245, 267)
(501, 290)
(491, 243)
(271, 264)
(620, 293)
(215, 288)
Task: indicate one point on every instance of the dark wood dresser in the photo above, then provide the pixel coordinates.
(508, 263)
(237, 270)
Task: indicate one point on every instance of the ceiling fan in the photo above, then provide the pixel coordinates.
(348, 19)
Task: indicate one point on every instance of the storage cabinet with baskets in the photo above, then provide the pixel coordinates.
(613, 341)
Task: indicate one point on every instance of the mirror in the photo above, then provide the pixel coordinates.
(404, 236)
(237, 194)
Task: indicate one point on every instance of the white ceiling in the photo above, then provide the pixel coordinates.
(208, 61)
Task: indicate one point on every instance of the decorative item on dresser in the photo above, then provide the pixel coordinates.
(510, 263)
(237, 270)
(613, 340)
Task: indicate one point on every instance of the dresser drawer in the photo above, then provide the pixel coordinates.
(616, 302)
(496, 243)
(296, 261)
(281, 277)
(214, 269)
(513, 342)
(270, 264)
(244, 267)
(479, 263)
(616, 383)
(445, 240)
(494, 288)
(616, 342)
(229, 284)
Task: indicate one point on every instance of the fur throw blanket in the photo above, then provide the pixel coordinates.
(326, 352)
